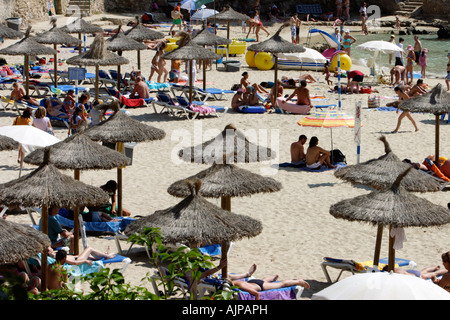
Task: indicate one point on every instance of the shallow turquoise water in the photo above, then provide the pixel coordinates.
(436, 57)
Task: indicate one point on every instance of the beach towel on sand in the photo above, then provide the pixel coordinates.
(322, 168)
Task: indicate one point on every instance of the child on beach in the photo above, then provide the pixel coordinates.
(397, 23)
(326, 72)
(423, 62)
(447, 78)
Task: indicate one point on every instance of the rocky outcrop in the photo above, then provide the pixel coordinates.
(436, 8)
(29, 11)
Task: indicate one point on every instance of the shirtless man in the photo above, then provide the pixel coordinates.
(316, 156)
(417, 90)
(417, 48)
(140, 89)
(238, 100)
(298, 152)
(302, 94)
(17, 93)
(400, 74)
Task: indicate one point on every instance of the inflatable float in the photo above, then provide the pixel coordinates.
(235, 47)
(260, 60)
(250, 58)
(346, 61)
(251, 109)
(292, 107)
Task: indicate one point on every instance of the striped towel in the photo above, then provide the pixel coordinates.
(202, 109)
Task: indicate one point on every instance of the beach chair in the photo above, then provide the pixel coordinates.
(105, 79)
(6, 103)
(6, 83)
(207, 108)
(357, 267)
(40, 89)
(197, 93)
(127, 102)
(173, 107)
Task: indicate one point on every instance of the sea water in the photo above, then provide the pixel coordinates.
(436, 57)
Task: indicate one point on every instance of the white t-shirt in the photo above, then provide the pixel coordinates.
(399, 53)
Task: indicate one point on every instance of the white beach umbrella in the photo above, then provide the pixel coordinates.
(382, 286)
(310, 55)
(379, 46)
(203, 14)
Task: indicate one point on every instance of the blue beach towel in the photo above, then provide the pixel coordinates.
(321, 169)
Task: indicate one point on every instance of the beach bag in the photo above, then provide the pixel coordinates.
(366, 90)
(175, 14)
(337, 156)
(373, 102)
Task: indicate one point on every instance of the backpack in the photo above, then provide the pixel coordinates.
(337, 156)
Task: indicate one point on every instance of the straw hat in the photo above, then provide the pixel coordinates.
(409, 48)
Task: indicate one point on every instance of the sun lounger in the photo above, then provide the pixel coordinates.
(173, 107)
(127, 102)
(200, 106)
(104, 227)
(289, 107)
(105, 79)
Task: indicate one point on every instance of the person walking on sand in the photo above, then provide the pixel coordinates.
(177, 17)
(316, 156)
(403, 96)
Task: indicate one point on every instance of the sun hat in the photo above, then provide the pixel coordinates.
(347, 31)
(425, 50)
(409, 47)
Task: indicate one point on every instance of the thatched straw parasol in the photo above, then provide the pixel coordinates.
(276, 45)
(394, 207)
(56, 36)
(27, 47)
(228, 14)
(120, 128)
(19, 242)
(119, 42)
(46, 187)
(8, 33)
(140, 33)
(188, 50)
(381, 172)
(81, 26)
(206, 38)
(78, 152)
(6, 143)
(194, 220)
(97, 56)
(437, 102)
(231, 142)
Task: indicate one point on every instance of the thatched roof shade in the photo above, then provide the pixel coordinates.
(19, 242)
(382, 172)
(207, 38)
(80, 152)
(276, 44)
(121, 128)
(56, 36)
(98, 55)
(188, 50)
(229, 141)
(8, 33)
(140, 33)
(195, 220)
(6, 143)
(228, 14)
(120, 42)
(436, 101)
(47, 186)
(226, 180)
(81, 26)
(27, 46)
(392, 206)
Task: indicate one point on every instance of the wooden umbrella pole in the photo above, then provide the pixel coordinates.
(376, 257)
(27, 74)
(96, 82)
(191, 62)
(275, 92)
(226, 205)
(80, 47)
(204, 74)
(391, 263)
(55, 66)
(76, 223)
(139, 60)
(119, 183)
(118, 78)
(44, 228)
(436, 152)
(228, 37)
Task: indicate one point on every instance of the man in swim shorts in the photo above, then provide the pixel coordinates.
(354, 77)
(177, 17)
(316, 156)
(298, 152)
(302, 93)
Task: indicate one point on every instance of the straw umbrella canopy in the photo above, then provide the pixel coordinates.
(206, 38)
(436, 101)
(19, 242)
(228, 15)
(7, 143)
(381, 172)
(27, 47)
(231, 142)
(97, 56)
(276, 45)
(46, 187)
(78, 152)
(119, 42)
(120, 128)
(140, 33)
(81, 26)
(8, 33)
(188, 50)
(194, 220)
(394, 207)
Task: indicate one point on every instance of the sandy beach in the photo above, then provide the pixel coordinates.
(298, 230)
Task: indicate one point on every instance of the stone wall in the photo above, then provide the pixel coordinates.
(29, 10)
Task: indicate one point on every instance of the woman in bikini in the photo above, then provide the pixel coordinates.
(245, 83)
(403, 96)
(347, 42)
(155, 64)
(411, 58)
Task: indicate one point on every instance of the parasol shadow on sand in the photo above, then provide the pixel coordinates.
(207, 38)
(55, 36)
(119, 42)
(81, 26)
(120, 128)
(382, 172)
(276, 45)
(231, 142)
(436, 101)
(77, 153)
(97, 56)
(27, 47)
(194, 220)
(46, 187)
(140, 33)
(394, 207)
(188, 50)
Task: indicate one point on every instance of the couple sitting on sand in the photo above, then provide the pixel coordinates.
(314, 157)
